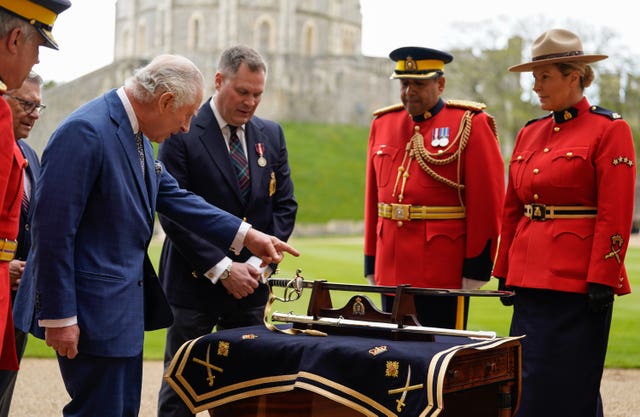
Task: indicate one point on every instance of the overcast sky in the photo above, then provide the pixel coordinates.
(85, 32)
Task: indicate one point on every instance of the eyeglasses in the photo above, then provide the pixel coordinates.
(28, 106)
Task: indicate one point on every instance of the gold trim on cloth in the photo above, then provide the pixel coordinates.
(409, 212)
(541, 212)
(8, 249)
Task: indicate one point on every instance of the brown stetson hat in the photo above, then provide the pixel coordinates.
(556, 45)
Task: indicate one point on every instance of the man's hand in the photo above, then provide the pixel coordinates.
(64, 340)
(269, 248)
(599, 296)
(16, 268)
(242, 280)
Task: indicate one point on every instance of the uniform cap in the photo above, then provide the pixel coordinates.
(553, 46)
(418, 62)
(41, 14)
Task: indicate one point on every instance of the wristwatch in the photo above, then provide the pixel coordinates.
(225, 274)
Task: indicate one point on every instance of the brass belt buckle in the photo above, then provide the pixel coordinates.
(538, 212)
(400, 211)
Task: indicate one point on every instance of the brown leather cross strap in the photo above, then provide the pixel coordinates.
(541, 212)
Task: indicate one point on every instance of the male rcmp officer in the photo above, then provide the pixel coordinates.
(434, 191)
(25, 25)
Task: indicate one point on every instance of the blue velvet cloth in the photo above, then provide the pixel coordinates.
(375, 376)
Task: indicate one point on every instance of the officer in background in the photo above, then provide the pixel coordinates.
(26, 106)
(25, 26)
(434, 191)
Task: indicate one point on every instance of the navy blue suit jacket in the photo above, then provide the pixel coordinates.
(33, 172)
(200, 162)
(22, 319)
(92, 223)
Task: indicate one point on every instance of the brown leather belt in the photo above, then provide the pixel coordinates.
(409, 212)
(541, 212)
(7, 249)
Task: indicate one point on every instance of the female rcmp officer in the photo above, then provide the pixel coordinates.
(565, 231)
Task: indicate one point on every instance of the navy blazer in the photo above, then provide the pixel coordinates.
(200, 162)
(33, 172)
(22, 319)
(93, 218)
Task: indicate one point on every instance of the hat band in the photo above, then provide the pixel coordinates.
(560, 55)
(30, 11)
(421, 66)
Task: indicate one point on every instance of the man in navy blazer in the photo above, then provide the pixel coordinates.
(206, 285)
(25, 103)
(93, 220)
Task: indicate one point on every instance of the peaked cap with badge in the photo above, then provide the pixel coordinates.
(418, 63)
(554, 46)
(41, 14)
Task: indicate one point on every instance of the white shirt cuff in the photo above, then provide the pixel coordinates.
(238, 241)
(59, 322)
(214, 273)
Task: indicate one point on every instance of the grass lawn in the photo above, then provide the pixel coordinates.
(340, 260)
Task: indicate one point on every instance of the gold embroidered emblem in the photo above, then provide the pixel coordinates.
(378, 350)
(272, 184)
(210, 368)
(393, 369)
(622, 160)
(404, 390)
(617, 242)
(223, 348)
(567, 115)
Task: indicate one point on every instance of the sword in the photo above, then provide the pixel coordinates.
(342, 322)
(297, 284)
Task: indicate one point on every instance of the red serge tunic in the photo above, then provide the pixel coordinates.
(431, 253)
(587, 160)
(12, 164)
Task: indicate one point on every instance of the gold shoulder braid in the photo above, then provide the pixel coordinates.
(467, 104)
(415, 150)
(388, 109)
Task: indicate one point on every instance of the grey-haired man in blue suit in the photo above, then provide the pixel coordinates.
(92, 223)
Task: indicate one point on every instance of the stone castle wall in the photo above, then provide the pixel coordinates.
(312, 47)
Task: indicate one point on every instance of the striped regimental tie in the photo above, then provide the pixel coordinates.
(239, 160)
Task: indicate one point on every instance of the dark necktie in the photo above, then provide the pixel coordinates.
(239, 161)
(140, 147)
(25, 195)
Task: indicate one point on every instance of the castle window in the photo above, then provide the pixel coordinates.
(141, 38)
(195, 40)
(309, 39)
(264, 34)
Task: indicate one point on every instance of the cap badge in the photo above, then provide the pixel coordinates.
(410, 64)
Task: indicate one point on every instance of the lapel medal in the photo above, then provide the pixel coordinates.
(440, 137)
(260, 151)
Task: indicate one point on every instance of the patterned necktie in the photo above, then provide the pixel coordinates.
(25, 194)
(140, 147)
(239, 160)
